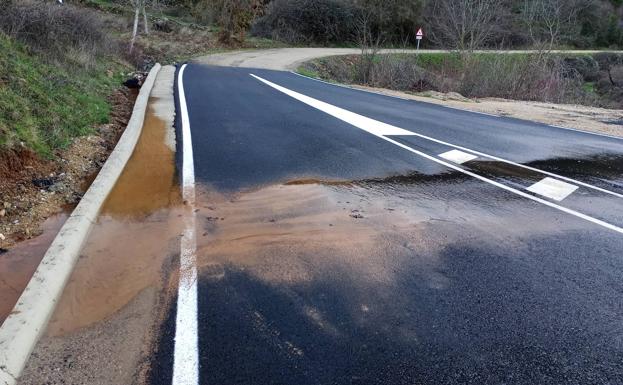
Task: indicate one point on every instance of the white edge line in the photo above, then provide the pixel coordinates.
(587, 185)
(302, 97)
(186, 352)
(452, 108)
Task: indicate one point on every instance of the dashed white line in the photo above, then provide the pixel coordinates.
(552, 188)
(457, 156)
(186, 352)
(349, 117)
(479, 153)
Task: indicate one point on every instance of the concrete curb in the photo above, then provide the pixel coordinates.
(23, 327)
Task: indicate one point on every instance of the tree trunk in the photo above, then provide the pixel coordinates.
(145, 21)
(135, 29)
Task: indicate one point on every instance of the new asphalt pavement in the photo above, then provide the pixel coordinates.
(345, 237)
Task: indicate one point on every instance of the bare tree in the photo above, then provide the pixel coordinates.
(138, 6)
(464, 25)
(547, 21)
(370, 42)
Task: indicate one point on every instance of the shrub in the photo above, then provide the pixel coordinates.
(537, 77)
(308, 21)
(63, 34)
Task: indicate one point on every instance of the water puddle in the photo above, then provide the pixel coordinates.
(294, 233)
(603, 166)
(132, 246)
(19, 263)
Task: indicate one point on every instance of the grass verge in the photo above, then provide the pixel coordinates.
(42, 106)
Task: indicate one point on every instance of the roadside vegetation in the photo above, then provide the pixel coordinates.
(452, 24)
(595, 80)
(43, 105)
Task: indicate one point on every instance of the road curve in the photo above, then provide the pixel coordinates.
(286, 59)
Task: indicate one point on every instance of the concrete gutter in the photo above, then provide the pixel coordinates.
(24, 326)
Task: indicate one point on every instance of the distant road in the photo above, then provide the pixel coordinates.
(291, 58)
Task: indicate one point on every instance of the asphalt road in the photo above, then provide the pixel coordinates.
(334, 247)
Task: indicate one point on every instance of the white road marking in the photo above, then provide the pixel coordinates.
(372, 126)
(339, 113)
(552, 188)
(587, 185)
(457, 156)
(186, 352)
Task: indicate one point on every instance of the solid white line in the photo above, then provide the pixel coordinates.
(444, 106)
(587, 185)
(186, 352)
(339, 113)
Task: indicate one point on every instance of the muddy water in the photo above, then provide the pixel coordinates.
(132, 246)
(19, 264)
(268, 230)
(298, 231)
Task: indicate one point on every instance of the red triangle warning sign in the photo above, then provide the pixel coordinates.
(419, 32)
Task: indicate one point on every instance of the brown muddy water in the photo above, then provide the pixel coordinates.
(295, 233)
(19, 263)
(132, 245)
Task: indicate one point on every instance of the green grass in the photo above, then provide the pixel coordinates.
(589, 87)
(44, 107)
(302, 70)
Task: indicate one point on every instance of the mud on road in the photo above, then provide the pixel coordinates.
(320, 277)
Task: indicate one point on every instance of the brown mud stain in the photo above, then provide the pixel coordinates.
(135, 239)
(365, 231)
(18, 264)
(295, 233)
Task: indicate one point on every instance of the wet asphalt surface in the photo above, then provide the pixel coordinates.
(495, 288)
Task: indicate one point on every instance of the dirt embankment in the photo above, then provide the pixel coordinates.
(33, 189)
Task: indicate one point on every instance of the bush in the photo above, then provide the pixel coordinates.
(62, 34)
(308, 21)
(537, 77)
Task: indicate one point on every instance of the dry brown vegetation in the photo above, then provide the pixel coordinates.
(591, 80)
(60, 35)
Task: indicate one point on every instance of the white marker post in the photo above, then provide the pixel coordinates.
(418, 36)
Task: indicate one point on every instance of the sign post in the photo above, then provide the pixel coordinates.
(418, 36)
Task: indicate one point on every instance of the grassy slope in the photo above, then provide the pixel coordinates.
(45, 106)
